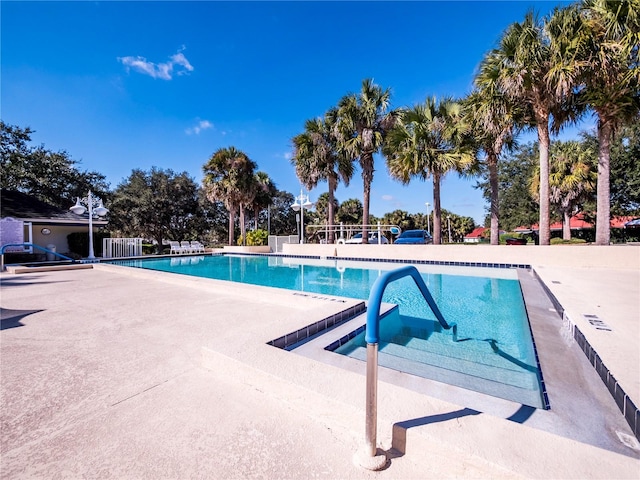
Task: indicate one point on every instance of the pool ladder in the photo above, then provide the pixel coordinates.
(368, 457)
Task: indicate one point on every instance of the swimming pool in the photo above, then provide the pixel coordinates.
(494, 351)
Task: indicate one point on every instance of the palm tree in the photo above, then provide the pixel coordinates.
(401, 218)
(228, 174)
(525, 58)
(605, 63)
(493, 118)
(317, 158)
(363, 122)
(429, 140)
(572, 179)
(350, 211)
(264, 191)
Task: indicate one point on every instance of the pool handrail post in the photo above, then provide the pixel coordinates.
(368, 457)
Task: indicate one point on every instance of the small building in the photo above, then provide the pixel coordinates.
(25, 219)
(477, 235)
(578, 224)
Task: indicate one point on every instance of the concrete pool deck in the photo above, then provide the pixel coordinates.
(103, 375)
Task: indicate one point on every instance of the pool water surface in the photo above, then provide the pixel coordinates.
(493, 352)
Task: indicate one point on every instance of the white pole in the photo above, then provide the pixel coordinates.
(301, 218)
(428, 227)
(90, 205)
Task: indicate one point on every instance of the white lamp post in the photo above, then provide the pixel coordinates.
(449, 224)
(304, 203)
(428, 228)
(95, 206)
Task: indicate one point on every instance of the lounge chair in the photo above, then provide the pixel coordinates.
(197, 247)
(186, 246)
(175, 247)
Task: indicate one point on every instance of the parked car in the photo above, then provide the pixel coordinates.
(373, 238)
(414, 237)
(516, 241)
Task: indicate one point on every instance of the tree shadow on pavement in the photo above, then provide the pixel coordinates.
(11, 318)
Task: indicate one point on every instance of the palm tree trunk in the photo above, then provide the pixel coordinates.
(566, 225)
(603, 205)
(367, 179)
(232, 218)
(437, 236)
(492, 163)
(243, 227)
(544, 142)
(332, 213)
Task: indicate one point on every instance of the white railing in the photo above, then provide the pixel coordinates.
(344, 232)
(121, 247)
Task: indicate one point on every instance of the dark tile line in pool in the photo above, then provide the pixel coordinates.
(305, 333)
(341, 341)
(438, 262)
(625, 404)
(257, 254)
(394, 260)
(556, 304)
(543, 385)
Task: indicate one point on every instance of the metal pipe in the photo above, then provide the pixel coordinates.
(371, 425)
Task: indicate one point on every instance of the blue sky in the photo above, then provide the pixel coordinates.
(124, 85)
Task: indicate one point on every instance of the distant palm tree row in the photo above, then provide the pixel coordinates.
(231, 178)
(544, 74)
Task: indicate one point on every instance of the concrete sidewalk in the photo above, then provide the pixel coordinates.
(102, 376)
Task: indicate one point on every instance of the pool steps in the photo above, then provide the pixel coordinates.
(441, 359)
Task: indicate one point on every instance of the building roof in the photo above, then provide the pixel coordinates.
(577, 222)
(476, 233)
(21, 206)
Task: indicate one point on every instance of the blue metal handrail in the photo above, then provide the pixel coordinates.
(369, 457)
(2, 249)
(372, 334)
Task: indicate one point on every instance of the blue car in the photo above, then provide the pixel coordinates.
(414, 237)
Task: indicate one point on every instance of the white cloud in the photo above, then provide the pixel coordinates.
(202, 125)
(163, 71)
(288, 155)
(387, 198)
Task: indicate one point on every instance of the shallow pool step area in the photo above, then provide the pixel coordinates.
(472, 364)
(477, 352)
(495, 388)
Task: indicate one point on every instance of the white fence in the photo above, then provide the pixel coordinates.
(121, 247)
(275, 243)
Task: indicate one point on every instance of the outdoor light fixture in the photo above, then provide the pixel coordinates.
(95, 206)
(299, 207)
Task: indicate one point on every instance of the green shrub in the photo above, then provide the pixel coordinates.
(257, 238)
(148, 249)
(560, 241)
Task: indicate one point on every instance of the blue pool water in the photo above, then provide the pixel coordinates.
(494, 339)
